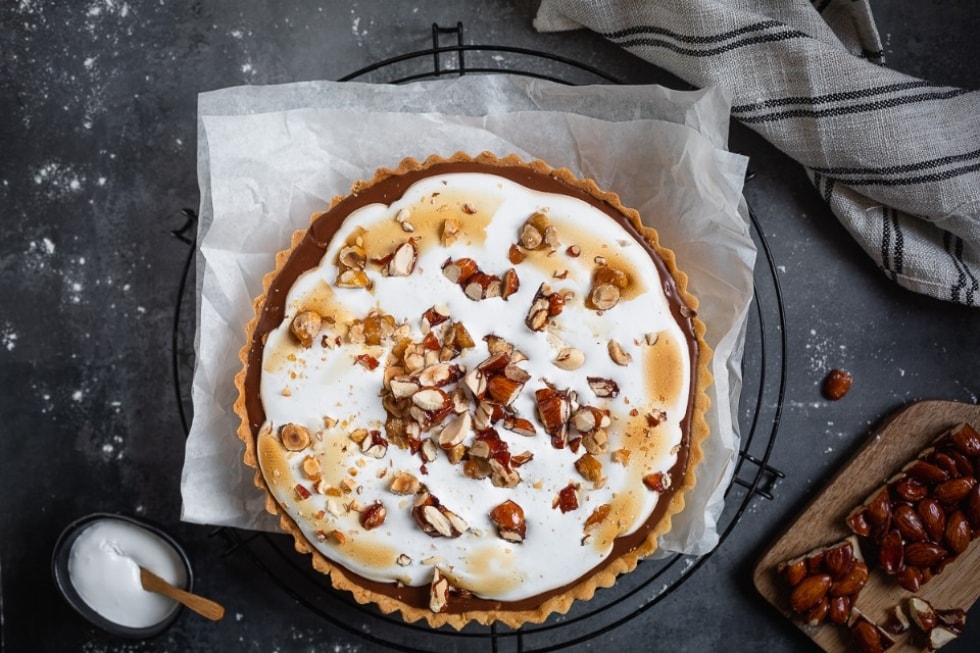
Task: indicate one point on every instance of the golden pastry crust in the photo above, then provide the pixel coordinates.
(584, 588)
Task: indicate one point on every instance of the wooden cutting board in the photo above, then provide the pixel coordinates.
(897, 441)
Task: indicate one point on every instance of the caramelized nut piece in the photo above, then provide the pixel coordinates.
(450, 231)
(606, 274)
(435, 519)
(353, 279)
(604, 296)
(598, 516)
(352, 257)
(530, 238)
(617, 354)
(922, 613)
(374, 446)
(809, 592)
(659, 482)
(311, 468)
(305, 326)
(294, 437)
(510, 283)
(404, 483)
(438, 592)
(402, 262)
(590, 468)
(606, 388)
(554, 410)
(896, 621)
(460, 270)
(373, 516)
(430, 398)
(940, 636)
(456, 431)
(502, 389)
(868, 637)
(836, 385)
(508, 517)
(569, 358)
(520, 426)
(567, 498)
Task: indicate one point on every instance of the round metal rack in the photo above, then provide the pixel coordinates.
(654, 580)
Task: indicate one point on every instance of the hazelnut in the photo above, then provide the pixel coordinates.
(530, 238)
(294, 437)
(305, 326)
(604, 296)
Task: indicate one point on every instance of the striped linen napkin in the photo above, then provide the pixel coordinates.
(896, 158)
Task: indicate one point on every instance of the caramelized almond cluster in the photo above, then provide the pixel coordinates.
(826, 583)
(917, 524)
(928, 514)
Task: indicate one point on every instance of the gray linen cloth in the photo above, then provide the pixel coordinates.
(896, 158)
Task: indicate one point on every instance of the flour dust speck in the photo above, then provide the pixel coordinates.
(8, 337)
(57, 179)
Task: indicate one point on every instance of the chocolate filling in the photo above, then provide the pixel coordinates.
(310, 251)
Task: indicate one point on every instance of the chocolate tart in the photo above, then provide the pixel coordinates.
(474, 390)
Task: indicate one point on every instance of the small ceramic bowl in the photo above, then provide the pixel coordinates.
(62, 578)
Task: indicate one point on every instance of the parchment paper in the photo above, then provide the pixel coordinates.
(268, 157)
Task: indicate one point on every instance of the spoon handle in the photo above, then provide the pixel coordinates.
(204, 607)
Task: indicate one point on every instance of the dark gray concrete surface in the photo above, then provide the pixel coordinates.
(98, 156)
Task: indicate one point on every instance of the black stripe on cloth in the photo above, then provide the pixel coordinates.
(921, 179)
(828, 189)
(908, 167)
(823, 5)
(886, 236)
(764, 38)
(954, 247)
(856, 108)
(872, 54)
(688, 38)
(898, 253)
(832, 97)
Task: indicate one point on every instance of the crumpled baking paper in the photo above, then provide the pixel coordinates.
(269, 157)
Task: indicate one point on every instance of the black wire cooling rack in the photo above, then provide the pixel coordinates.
(764, 385)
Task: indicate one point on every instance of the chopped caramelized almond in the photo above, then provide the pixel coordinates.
(373, 516)
(508, 517)
(567, 498)
(598, 516)
(590, 468)
(657, 481)
(404, 483)
(621, 456)
(450, 231)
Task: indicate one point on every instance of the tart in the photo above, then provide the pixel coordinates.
(474, 390)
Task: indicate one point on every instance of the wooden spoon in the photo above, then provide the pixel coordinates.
(204, 607)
